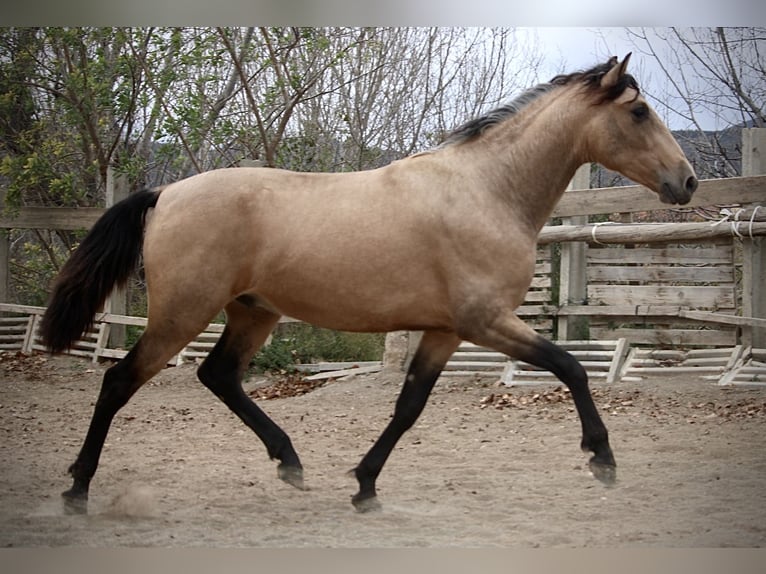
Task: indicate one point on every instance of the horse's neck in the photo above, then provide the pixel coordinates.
(538, 156)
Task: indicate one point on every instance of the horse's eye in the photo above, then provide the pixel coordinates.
(640, 113)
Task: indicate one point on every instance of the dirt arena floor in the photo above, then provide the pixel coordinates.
(485, 466)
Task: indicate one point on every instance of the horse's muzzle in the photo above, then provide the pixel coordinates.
(678, 194)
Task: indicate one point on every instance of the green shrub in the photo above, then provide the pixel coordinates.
(296, 343)
(276, 356)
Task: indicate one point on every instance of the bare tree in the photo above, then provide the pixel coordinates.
(717, 73)
(398, 90)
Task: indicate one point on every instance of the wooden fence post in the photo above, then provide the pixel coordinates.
(116, 189)
(400, 347)
(754, 249)
(4, 255)
(573, 281)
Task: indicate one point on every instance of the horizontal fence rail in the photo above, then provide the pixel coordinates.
(19, 332)
(607, 361)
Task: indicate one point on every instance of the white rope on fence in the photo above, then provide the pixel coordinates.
(733, 216)
(752, 219)
(595, 226)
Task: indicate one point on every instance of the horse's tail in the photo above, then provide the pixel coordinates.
(106, 257)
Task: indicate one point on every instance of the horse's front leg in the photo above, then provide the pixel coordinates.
(435, 349)
(508, 334)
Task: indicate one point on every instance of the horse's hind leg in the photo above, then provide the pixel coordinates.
(434, 351)
(510, 335)
(120, 383)
(247, 327)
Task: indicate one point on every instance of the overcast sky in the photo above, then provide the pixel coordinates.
(578, 48)
(568, 49)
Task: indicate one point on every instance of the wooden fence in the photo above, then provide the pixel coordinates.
(19, 324)
(639, 294)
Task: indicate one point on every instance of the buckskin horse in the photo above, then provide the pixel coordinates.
(442, 242)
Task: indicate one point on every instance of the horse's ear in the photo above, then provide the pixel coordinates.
(615, 73)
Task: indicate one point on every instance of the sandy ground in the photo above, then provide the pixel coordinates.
(484, 466)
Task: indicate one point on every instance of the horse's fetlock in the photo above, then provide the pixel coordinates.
(75, 471)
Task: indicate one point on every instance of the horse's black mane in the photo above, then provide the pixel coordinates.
(590, 78)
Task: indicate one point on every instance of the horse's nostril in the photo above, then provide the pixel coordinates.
(691, 184)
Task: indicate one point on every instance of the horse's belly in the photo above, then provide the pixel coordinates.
(357, 307)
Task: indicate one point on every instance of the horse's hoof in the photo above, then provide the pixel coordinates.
(292, 475)
(74, 504)
(366, 504)
(605, 473)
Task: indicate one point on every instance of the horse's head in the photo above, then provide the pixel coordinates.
(626, 135)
